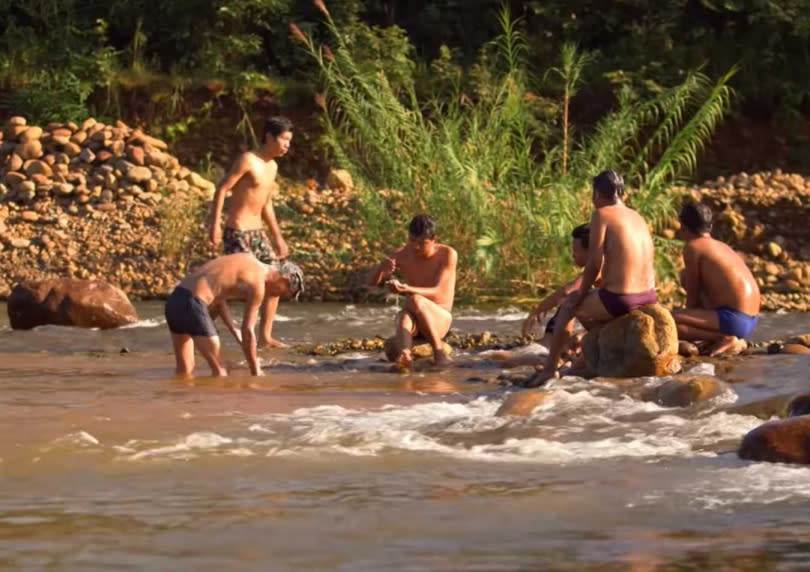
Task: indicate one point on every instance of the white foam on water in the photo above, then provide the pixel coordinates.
(182, 448)
(77, 438)
(147, 323)
(727, 488)
(703, 368)
(508, 314)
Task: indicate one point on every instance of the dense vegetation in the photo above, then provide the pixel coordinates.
(493, 115)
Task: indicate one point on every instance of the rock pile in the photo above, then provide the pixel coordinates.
(83, 201)
(764, 217)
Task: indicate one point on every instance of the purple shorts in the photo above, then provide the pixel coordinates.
(621, 304)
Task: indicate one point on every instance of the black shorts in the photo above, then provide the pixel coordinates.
(552, 322)
(187, 314)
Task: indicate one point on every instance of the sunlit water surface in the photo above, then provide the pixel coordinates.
(330, 464)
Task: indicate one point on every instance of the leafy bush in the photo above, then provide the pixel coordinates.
(496, 165)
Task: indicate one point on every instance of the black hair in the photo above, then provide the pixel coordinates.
(277, 125)
(609, 184)
(422, 226)
(696, 217)
(583, 234)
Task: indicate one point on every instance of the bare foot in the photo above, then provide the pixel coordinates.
(404, 361)
(441, 360)
(272, 343)
(731, 345)
(542, 377)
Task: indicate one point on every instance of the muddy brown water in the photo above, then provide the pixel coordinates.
(107, 462)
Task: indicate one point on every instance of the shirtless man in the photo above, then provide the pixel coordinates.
(722, 296)
(429, 270)
(252, 182)
(206, 290)
(622, 248)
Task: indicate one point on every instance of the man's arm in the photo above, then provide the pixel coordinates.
(446, 280)
(254, 300)
(691, 260)
(269, 217)
(225, 312)
(384, 269)
(596, 256)
(239, 168)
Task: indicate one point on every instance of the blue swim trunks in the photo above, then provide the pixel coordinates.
(734, 322)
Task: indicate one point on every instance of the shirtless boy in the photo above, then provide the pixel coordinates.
(252, 182)
(722, 296)
(429, 271)
(579, 252)
(621, 247)
(207, 289)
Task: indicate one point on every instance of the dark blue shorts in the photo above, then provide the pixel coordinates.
(187, 314)
(735, 323)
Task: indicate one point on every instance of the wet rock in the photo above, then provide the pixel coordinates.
(683, 391)
(522, 403)
(783, 441)
(799, 405)
(69, 302)
(641, 343)
(422, 350)
(687, 349)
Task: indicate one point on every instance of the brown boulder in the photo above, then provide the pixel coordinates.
(643, 342)
(685, 390)
(69, 302)
(783, 441)
(523, 402)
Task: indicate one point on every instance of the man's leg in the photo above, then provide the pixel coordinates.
(590, 313)
(699, 325)
(268, 314)
(183, 355)
(403, 339)
(433, 322)
(209, 348)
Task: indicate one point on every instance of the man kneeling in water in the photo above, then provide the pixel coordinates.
(722, 296)
(233, 276)
(430, 271)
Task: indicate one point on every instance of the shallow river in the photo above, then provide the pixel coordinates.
(329, 464)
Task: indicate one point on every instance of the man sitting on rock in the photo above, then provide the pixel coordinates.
(429, 271)
(621, 247)
(239, 275)
(579, 253)
(722, 296)
(252, 182)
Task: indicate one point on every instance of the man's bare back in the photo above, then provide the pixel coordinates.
(231, 276)
(723, 276)
(628, 250)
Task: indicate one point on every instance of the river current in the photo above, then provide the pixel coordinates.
(107, 462)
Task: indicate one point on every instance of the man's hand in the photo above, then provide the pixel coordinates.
(398, 287)
(282, 250)
(215, 234)
(388, 266)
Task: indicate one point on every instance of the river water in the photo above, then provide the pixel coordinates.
(329, 464)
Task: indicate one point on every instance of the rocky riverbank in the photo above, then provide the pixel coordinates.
(109, 202)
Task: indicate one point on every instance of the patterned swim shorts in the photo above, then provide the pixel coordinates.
(254, 241)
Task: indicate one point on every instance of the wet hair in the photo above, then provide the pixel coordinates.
(277, 125)
(422, 226)
(293, 273)
(609, 184)
(696, 217)
(583, 234)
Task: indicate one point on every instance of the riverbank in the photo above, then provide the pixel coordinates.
(110, 202)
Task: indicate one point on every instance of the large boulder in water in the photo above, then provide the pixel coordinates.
(643, 342)
(783, 441)
(69, 302)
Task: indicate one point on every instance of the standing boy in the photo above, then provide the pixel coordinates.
(252, 182)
